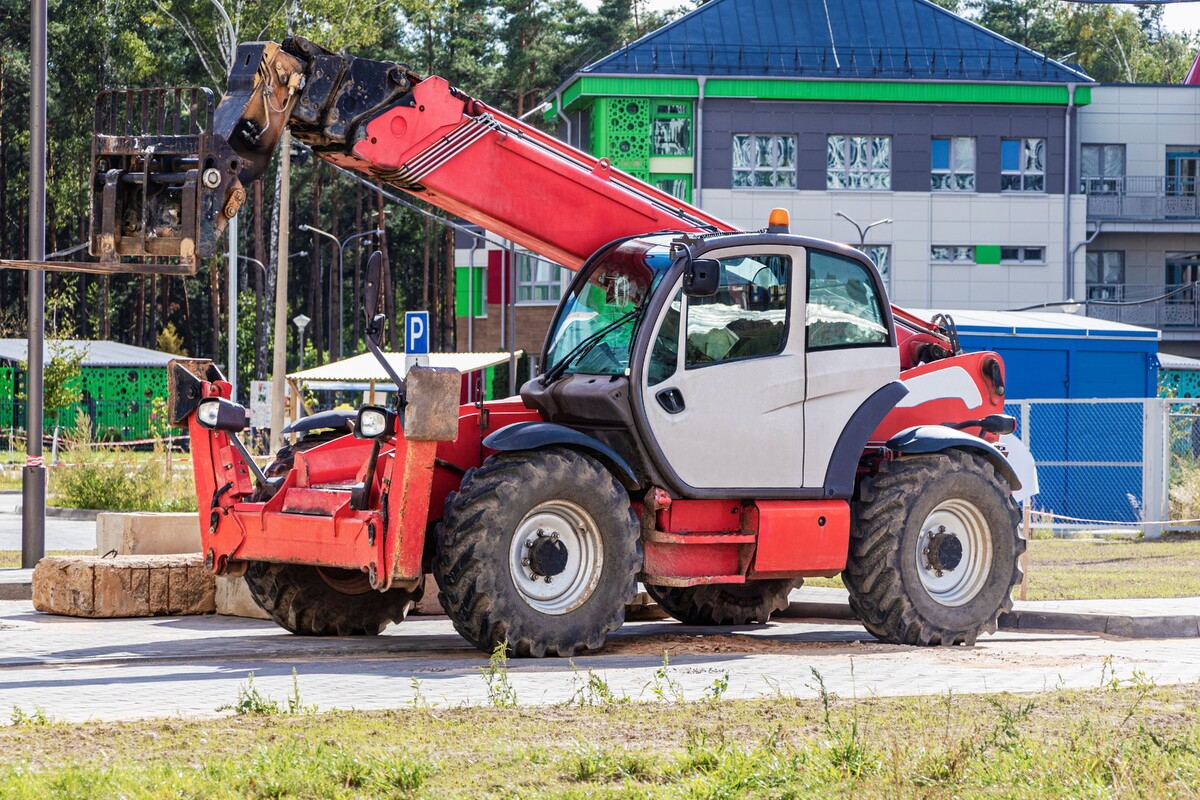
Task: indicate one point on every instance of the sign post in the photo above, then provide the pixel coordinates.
(416, 339)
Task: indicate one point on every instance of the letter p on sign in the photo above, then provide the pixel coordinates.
(416, 333)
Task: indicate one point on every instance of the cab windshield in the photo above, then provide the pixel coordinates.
(596, 326)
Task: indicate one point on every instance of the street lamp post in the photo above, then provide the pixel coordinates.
(301, 323)
(862, 232)
(341, 243)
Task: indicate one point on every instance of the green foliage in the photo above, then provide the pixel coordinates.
(21, 718)
(592, 690)
(252, 702)
(500, 691)
(1112, 43)
(118, 479)
(663, 686)
(169, 341)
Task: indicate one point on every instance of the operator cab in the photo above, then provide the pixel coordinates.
(755, 389)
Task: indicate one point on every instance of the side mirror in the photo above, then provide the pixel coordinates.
(372, 289)
(374, 285)
(701, 277)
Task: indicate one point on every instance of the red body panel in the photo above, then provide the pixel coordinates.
(800, 537)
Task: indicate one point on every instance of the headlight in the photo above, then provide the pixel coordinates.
(374, 422)
(217, 413)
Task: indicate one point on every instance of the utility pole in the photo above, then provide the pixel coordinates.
(279, 368)
(232, 294)
(33, 479)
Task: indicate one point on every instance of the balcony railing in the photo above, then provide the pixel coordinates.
(1141, 197)
(1151, 306)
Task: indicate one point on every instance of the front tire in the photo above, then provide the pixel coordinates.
(934, 550)
(321, 601)
(540, 550)
(724, 604)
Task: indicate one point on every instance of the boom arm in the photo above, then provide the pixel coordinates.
(427, 138)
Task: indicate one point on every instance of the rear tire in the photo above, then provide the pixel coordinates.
(520, 518)
(935, 550)
(321, 601)
(724, 603)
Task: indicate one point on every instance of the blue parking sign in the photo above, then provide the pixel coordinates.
(416, 333)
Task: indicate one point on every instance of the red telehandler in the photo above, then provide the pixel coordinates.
(722, 413)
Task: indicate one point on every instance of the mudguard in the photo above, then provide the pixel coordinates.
(936, 438)
(536, 435)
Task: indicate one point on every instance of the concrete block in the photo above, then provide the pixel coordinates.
(126, 586)
(142, 533)
(428, 606)
(233, 598)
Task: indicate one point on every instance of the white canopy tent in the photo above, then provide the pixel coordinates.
(364, 372)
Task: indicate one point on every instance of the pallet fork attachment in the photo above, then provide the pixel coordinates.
(169, 171)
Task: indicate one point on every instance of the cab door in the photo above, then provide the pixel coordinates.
(850, 351)
(723, 382)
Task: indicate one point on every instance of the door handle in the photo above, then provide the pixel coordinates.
(671, 400)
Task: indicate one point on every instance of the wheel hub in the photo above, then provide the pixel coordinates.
(556, 557)
(548, 556)
(943, 552)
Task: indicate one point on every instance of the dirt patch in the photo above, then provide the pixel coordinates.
(677, 644)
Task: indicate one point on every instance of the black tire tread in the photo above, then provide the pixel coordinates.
(299, 600)
(724, 604)
(873, 573)
(471, 577)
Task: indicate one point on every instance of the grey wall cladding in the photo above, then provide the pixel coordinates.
(911, 126)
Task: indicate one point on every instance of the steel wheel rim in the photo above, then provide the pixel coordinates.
(577, 531)
(957, 586)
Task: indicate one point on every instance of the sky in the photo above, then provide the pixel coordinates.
(1182, 17)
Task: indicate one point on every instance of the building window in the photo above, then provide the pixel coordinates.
(953, 164)
(679, 186)
(671, 129)
(1022, 165)
(1102, 168)
(952, 254)
(539, 280)
(762, 160)
(859, 162)
(1022, 255)
(1105, 274)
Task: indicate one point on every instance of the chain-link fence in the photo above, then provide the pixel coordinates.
(1102, 463)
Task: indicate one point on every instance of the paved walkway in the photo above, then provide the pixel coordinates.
(78, 669)
(61, 534)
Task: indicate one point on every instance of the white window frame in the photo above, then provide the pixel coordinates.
(952, 254)
(1025, 254)
(858, 175)
(1024, 172)
(785, 174)
(526, 288)
(955, 171)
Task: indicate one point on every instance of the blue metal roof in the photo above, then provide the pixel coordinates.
(853, 39)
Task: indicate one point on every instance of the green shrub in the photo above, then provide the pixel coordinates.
(118, 479)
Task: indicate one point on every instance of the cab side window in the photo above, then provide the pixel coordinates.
(844, 307)
(746, 318)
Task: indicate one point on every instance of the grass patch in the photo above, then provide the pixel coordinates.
(11, 559)
(1126, 739)
(1110, 569)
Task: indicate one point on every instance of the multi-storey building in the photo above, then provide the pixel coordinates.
(987, 168)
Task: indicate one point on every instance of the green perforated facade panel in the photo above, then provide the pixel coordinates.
(117, 399)
(621, 133)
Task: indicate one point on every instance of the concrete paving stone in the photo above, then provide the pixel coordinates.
(79, 669)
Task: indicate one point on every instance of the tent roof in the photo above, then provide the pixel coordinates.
(851, 39)
(364, 368)
(1040, 323)
(96, 353)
